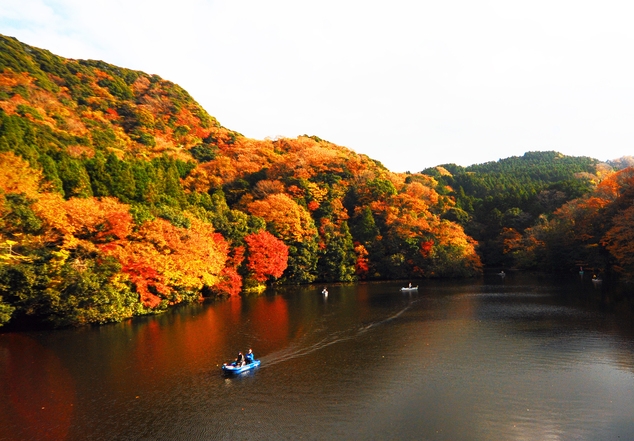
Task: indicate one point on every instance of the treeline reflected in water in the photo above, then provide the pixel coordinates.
(515, 358)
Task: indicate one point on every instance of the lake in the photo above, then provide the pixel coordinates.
(526, 357)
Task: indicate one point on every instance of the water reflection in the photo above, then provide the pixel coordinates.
(508, 359)
(38, 394)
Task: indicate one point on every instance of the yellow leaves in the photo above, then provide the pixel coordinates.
(316, 192)
(443, 171)
(59, 259)
(17, 176)
(9, 255)
(603, 170)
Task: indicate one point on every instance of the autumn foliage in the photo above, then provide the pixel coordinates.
(121, 196)
(268, 256)
(596, 230)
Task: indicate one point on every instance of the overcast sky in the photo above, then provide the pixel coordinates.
(410, 83)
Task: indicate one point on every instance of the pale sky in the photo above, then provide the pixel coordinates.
(412, 84)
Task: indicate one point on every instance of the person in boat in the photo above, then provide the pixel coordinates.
(240, 360)
(249, 357)
(324, 291)
(410, 284)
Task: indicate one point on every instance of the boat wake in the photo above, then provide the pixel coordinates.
(372, 325)
(302, 347)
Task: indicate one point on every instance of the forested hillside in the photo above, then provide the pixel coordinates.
(120, 196)
(596, 230)
(547, 211)
(512, 194)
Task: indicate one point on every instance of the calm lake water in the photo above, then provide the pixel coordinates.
(489, 359)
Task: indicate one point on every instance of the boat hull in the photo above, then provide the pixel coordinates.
(231, 369)
(413, 288)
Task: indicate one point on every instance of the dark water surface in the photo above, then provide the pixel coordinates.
(486, 359)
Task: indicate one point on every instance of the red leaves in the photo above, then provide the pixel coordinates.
(426, 247)
(268, 256)
(146, 277)
(230, 283)
(313, 205)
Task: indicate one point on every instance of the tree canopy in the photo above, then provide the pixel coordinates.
(120, 196)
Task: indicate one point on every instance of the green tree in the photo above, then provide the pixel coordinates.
(337, 259)
(100, 180)
(74, 177)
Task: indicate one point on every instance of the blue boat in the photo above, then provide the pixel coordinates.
(231, 368)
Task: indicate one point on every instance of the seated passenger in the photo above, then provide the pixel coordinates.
(240, 360)
(249, 357)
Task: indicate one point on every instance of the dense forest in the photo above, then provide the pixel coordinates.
(545, 211)
(121, 196)
(512, 194)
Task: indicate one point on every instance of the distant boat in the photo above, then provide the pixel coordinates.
(410, 288)
(596, 279)
(502, 274)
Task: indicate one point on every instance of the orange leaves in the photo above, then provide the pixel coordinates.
(163, 261)
(286, 218)
(267, 187)
(98, 220)
(304, 158)
(189, 257)
(362, 264)
(240, 158)
(619, 240)
(426, 195)
(148, 281)
(512, 240)
(406, 213)
(203, 177)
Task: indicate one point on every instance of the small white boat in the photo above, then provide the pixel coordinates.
(502, 274)
(410, 288)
